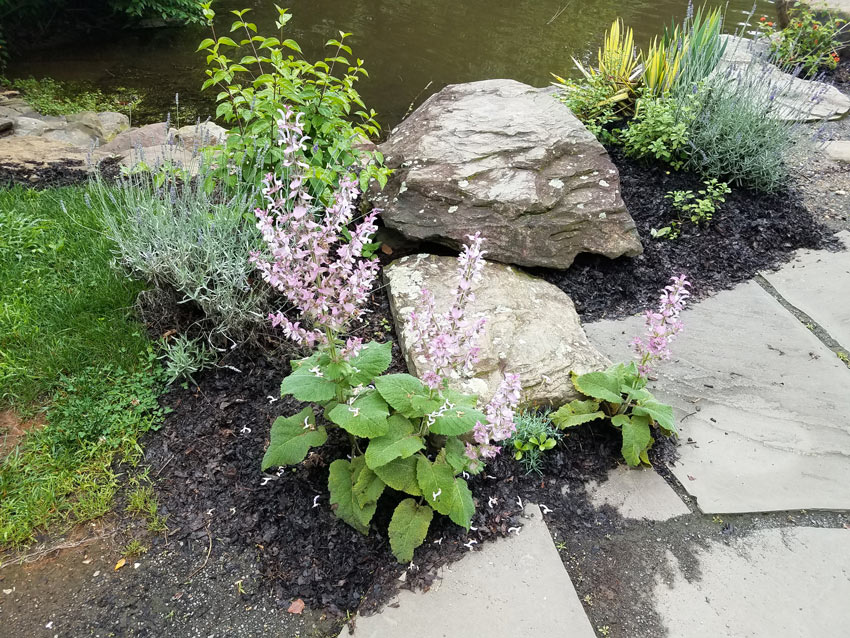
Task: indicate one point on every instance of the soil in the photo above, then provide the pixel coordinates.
(55, 174)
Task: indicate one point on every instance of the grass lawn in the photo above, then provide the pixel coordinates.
(67, 341)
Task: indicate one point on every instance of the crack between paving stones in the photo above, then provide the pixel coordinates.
(813, 326)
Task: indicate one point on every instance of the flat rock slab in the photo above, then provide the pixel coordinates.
(532, 327)
(838, 151)
(637, 493)
(513, 587)
(818, 283)
(766, 403)
(797, 99)
(771, 583)
(511, 161)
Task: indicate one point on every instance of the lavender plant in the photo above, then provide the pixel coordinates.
(619, 393)
(391, 419)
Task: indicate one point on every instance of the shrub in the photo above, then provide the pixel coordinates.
(807, 43)
(184, 239)
(699, 207)
(390, 418)
(619, 393)
(51, 97)
(661, 128)
(263, 75)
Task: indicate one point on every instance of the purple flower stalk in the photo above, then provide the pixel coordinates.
(324, 277)
(446, 342)
(662, 326)
(500, 424)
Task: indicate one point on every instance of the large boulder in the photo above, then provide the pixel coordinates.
(513, 162)
(144, 136)
(197, 136)
(29, 153)
(112, 124)
(797, 99)
(532, 327)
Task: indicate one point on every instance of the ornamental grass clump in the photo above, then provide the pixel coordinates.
(619, 393)
(418, 438)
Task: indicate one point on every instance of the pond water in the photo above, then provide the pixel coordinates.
(412, 48)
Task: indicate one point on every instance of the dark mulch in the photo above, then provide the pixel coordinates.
(55, 174)
(749, 233)
(209, 482)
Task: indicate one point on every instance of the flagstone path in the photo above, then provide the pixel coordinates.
(763, 402)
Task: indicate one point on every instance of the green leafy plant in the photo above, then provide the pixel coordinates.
(619, 394)
(698, 207)
(535, 434)
(807, 42)
(52, 97)
(660, 129)
(258, 75)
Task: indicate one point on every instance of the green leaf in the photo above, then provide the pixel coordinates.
(291, 439)
(456, 421)
(372, 360)
(577, 412)
(445, 493)
(342, 477)
(400, 441)
(368, 488)
(365, 417)
(599, 385)
(306, 385)
(399, 389)
(455, 453)
(205, 43)
(400, 475)
(659, 412)
(636, 438)
(408, 528)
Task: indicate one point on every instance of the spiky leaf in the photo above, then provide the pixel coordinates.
(342, 476)
(291, 439)
(408, 528)
(445, 493)
(400, 474)
(401, 440)
(365, 417)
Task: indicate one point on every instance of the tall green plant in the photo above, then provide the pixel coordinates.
(258, 75)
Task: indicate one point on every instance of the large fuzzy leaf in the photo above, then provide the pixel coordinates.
(637, 437)
(457, 421)
(365, 417)
(372, 360)
(577, 412)
(408, 528)
(604, 386)
(342, 476)
(368, 488)
(308, 384)
(659, 412)
(399, 390)
(291, 439)
(445, 493)
(400, 474)
(401, 441)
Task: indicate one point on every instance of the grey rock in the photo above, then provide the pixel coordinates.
(637, 493)
(148, 135)
(764, 402)
(513, 162)
(76, 134)
(838, 151)
(199, 135)
(37, 152)
(87, 122)
(798, 99)
(152, 156)
(511, 588)
(30, 126)
(532, 327)
(112, 124)
(6, 125)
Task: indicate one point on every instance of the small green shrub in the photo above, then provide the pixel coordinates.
(184, 357)
(807, 43)
(619, 394)
(535, 434)
(187, 240)
(699, 207)
(258, 75)
(660, 129)
(52, 97)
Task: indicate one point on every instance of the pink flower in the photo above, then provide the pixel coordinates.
(661, 326)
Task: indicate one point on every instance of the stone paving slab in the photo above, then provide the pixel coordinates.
(637, 493)
(818, 283)
(773, 583)
(765, 402)
(517, 586)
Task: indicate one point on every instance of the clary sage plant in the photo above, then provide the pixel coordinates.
(390, 418)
